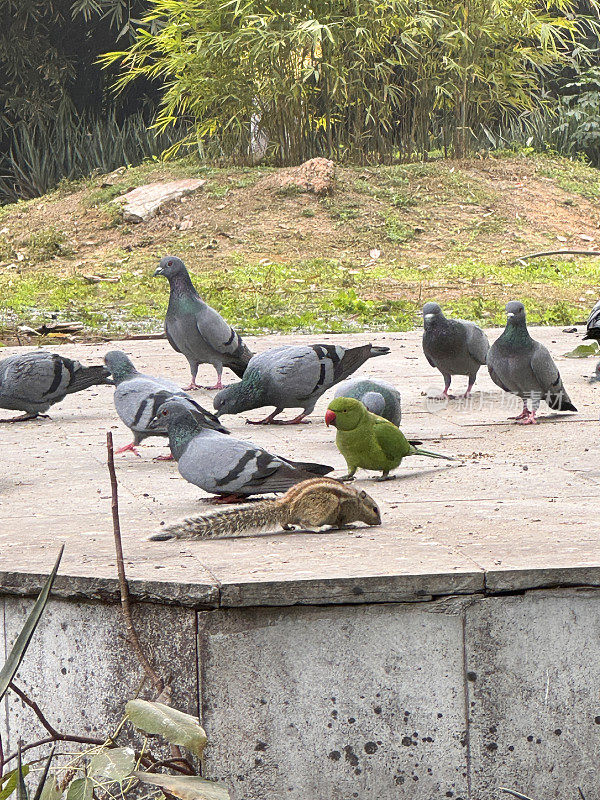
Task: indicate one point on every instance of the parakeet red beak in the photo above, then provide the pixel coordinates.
(329, 417)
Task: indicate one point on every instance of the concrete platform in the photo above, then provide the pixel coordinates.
(520, 512)
(453, 651)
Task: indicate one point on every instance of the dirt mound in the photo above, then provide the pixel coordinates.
(316, 176)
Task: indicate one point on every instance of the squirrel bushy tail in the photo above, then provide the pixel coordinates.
(230, 522)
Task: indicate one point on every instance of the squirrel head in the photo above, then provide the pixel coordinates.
(370, 513)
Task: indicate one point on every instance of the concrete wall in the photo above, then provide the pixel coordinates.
(450, 698)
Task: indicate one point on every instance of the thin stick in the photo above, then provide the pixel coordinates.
(36, 710)
(62, 737)
(560, 253)
(123, 585)
(1, 757)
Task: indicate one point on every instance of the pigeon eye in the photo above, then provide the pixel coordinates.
(169, 263)
(165, 412)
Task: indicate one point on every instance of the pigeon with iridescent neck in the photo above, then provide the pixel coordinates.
(453, 346)
(196, 330)
(232, 469)
(292, 377)
(138, 398)
(520, 365)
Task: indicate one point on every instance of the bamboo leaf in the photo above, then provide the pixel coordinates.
(13, 661)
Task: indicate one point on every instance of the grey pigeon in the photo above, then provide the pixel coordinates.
(138, 397)
(522, 366)
(453, 346)
(378, 396)
(32, 382)
(593, 324)
(197, 330)
(222, 465)
(292, 377)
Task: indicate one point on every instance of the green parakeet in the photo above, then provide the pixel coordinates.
(368, 441)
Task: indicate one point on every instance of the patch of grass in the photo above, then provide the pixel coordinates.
(289, 190)
(217, 190)
(309, 295)
(308, 212)
(573, 176)
(397, 231)
(344, 211)
(47, 243)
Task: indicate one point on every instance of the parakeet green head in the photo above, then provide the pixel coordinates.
(345, 413)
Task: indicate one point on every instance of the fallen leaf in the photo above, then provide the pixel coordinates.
(375, 253)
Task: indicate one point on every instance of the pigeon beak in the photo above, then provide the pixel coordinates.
(154, 423)
(329, 417)
(158, 272)
(428, 316)
(510, 314)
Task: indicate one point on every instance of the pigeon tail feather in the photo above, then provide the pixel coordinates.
(84, 377)
(560, 402)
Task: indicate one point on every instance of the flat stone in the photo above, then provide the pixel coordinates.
(142, 203)
(519, 512)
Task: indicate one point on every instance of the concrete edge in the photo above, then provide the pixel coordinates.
(518, 580)
(357, 590)
(106, 590)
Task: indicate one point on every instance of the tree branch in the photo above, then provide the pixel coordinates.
(157, 681)
(36, 710)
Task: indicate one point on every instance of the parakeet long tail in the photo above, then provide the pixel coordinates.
(418, 451)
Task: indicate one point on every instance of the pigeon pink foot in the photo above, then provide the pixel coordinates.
(128, 448)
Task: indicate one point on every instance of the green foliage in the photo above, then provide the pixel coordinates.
(175, 726)
(72, 146)
(47, 243)
(583, 351)
(350, 78)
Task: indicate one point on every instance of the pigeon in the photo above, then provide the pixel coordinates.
(379, 397)
(593, 324)
(522, 366)
(453, 346)
(292, 377)
(369, 441)
(138, 397)
(32, 382)
(197, 330)
(224, 466)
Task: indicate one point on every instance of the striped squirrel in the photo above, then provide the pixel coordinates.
(310, 504)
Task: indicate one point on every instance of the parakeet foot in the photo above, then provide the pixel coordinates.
(164, 458)
(346, 478)
(385, 477)
(128, 448)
